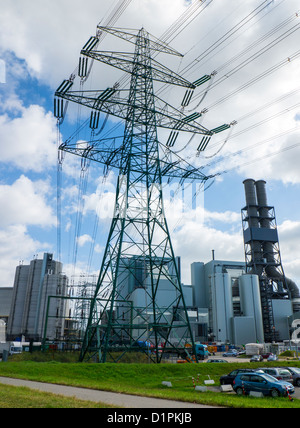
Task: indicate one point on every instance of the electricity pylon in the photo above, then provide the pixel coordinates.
(139, 264)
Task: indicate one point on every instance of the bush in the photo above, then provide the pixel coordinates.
(287, 354)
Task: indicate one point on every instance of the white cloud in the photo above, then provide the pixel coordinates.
(194, 243)
(29, 141)
(289, 238)
(24, 202)
(225, 217)
(83, 239)
(16, 245)
(49, 37)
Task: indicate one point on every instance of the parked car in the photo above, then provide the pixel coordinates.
(261, 382)
(278, 373)
(216, 360)
(256, 358)
(272, 357)
(231, 353)
(295, 372)
(229, 378)
(266, 355)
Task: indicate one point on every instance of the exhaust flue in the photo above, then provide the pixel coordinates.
(263, 254)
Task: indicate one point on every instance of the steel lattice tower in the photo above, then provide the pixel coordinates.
(138, 257)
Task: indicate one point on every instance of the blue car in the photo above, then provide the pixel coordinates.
(264, 383)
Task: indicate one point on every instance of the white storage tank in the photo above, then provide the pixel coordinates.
(221, 307)
(251, 303)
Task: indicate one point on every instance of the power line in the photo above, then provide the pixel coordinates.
(253, 57)
(227, 35)
(259, 159)
(253, 146)
(251, 82)
(255, 125)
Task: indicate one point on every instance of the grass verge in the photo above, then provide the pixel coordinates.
(145, 380)
(12, 397)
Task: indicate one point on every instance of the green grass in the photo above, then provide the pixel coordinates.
(145, 380)
(12, 397)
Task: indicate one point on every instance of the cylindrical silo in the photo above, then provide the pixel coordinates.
(251, 303)
(221, 306)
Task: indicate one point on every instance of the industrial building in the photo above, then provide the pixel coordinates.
(252, 301)
(227, 302)
(33, 284)
(232, 302)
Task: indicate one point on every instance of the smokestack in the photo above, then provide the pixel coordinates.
(263, 203)
(259, 217)
(265, 220)
(267, 247)
(251, 202)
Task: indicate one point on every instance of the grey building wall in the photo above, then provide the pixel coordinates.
(32, 286)
(282, 310)
(5, 304)
(6, 294)
(243, 330)
(14, 327)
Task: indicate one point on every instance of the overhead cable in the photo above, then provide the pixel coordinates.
(251, 82)
(254, 56)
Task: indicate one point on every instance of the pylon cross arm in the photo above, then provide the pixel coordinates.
(166, 115)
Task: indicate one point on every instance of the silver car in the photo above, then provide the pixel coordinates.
(279, 373)
(295, 372)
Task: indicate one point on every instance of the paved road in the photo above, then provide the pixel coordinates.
(120, 400)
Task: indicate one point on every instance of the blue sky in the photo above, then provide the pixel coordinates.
(250, 86)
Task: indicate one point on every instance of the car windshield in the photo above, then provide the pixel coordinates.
(296, 370)
(284, 372)
(270, 378)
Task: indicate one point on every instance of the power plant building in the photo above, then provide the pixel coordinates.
(235, 302)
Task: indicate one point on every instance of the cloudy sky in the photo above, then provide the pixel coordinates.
(251, 48)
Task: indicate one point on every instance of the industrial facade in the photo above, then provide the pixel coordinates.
(33, 284)
(223, 304)
(227, 301)
(233, 301)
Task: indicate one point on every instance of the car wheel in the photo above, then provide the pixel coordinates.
(275, 392)
(297, 382)
(239, 391)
